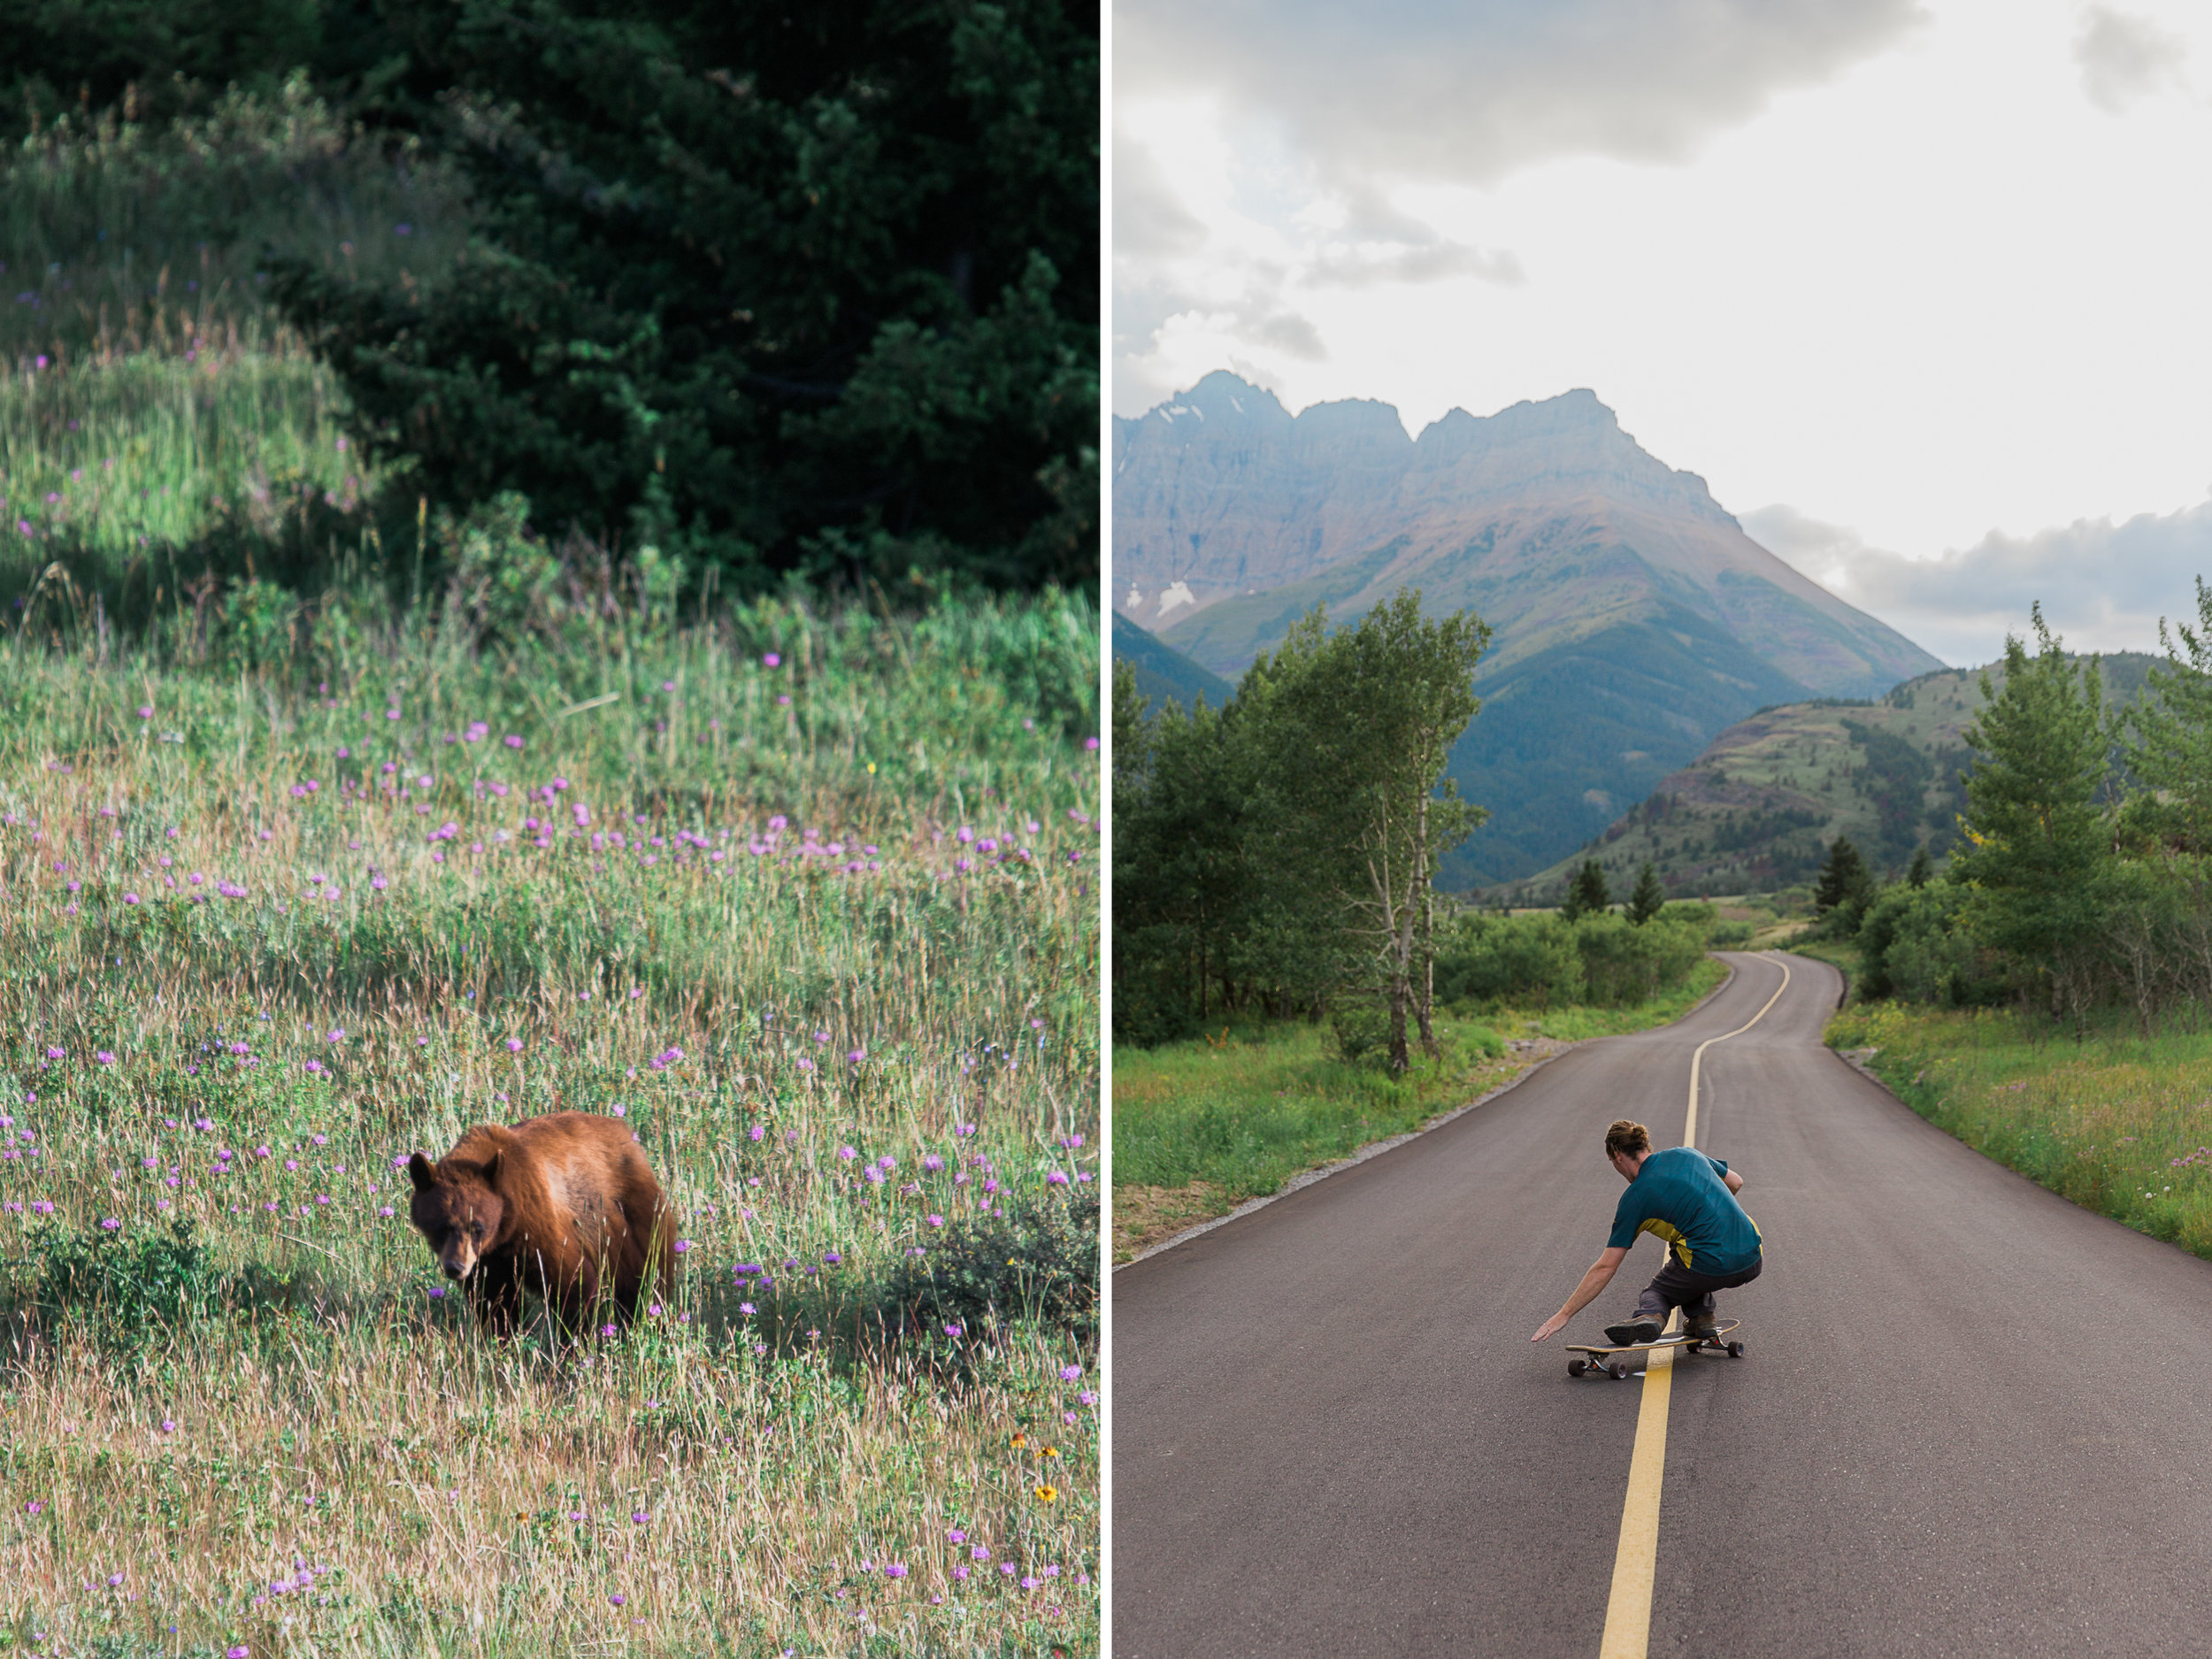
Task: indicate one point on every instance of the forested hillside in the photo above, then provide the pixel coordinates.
(770, 295)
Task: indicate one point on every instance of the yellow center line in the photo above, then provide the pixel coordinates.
(1636, 1560)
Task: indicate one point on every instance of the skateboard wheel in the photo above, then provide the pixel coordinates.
(1576, 1367)
(1735, 1350)
(1618, 1370)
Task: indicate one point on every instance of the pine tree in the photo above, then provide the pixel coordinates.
(2037, 858)
(1586, 894)
(1845, 884)
(2171, 750)
(1649, 898)
(1922, 867)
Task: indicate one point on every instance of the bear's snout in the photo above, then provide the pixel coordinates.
(457, 1270)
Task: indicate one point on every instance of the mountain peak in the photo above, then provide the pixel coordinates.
(1222, 399)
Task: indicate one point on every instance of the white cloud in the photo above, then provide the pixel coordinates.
(1148, 216)
(1469, 92)
(1256, 146)
(2103, 586)
(2125, 58)
(1435, 260)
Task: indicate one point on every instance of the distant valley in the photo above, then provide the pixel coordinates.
(1633, 619)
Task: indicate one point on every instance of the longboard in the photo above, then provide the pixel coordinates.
(1606, 1361)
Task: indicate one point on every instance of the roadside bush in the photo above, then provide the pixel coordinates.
(1601, 959)
(1915, 946)
(1530, 959)
(1623, 963)
(1479, 1042)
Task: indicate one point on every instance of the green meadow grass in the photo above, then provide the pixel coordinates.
(118, 236)
(1237, 1113)
(2116, 1121)
(822, 930)
(157, 415)
(119, 465)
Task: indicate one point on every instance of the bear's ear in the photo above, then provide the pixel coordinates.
(421, 1171)
(491, 1171)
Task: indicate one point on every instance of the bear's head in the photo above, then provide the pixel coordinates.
(457, 1209)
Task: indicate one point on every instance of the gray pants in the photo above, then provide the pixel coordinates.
(1677, 1286)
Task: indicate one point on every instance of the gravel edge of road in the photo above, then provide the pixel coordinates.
(1376, 1148)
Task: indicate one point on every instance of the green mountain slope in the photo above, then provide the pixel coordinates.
(1164, 673)
(1569, 735)
(1757, 809)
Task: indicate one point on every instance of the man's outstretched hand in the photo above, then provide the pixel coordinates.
(1601, 1274)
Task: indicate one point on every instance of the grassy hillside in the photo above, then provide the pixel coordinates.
(160, 429)
(1164, 674)
(1756, 810)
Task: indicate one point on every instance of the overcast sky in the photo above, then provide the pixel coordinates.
(1924, 291)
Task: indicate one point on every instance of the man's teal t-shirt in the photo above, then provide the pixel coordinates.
(1679, 1196)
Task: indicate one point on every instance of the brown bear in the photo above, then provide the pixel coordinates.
(564, 1205)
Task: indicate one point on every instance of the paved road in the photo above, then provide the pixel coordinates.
(1972, 1419)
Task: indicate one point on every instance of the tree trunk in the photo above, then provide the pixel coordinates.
(1425, 1004)
(1400, 1058)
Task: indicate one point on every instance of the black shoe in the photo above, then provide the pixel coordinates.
(1709, 1331)
(1635, 1332)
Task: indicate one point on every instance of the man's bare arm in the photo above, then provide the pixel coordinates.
(1734, 1181)
(1597, 1278)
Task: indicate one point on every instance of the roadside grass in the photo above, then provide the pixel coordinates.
(1200, 1128)
(1582, 1022)
(808, 899)
(2117, 1122)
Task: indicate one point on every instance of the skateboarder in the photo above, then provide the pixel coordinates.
(1689, 1200)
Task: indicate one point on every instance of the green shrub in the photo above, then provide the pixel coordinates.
(1915, 947)
(1038, 1262)
(1362, 1031)
(1542, 961)
(1624, 963)
(259, 621)
(126, 1290)
(1529, 959)
(1479, 1042)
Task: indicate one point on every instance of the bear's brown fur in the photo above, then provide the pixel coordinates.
(564, 1205)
